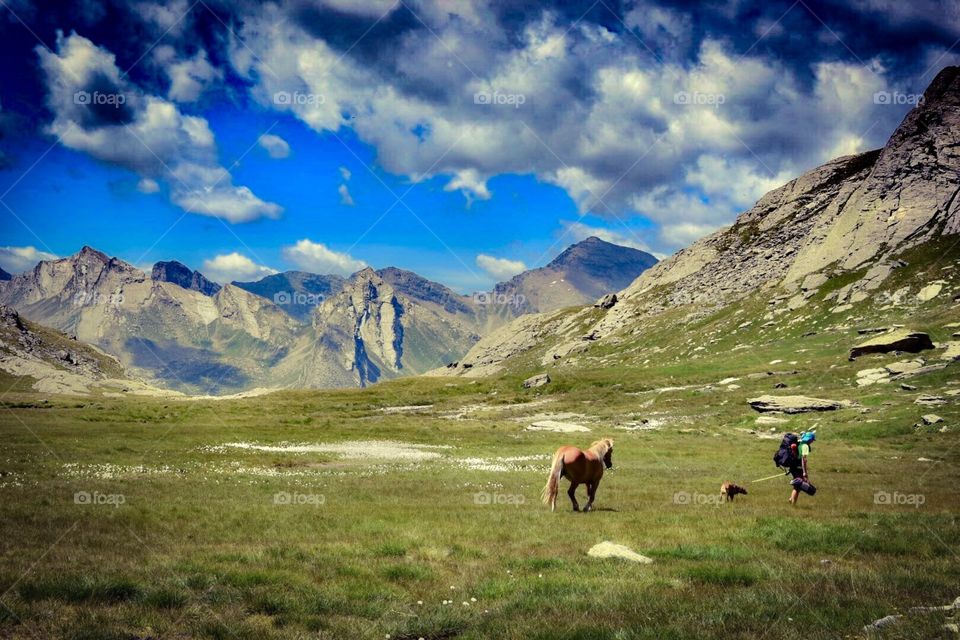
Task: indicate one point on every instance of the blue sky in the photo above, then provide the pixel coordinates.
(510, 130)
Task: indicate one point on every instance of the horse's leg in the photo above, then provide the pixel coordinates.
(591, 494)
(573, 498)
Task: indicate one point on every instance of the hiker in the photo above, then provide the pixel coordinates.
(799, 470)
(792, 455)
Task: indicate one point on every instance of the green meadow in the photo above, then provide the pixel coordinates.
(411, 509)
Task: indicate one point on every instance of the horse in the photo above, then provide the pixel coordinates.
(579, 467)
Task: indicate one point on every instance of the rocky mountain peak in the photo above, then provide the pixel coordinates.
(598, 256)
(179, 274)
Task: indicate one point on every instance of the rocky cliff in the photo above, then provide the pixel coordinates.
(181, 275)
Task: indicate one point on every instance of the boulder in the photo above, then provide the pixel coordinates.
(612, 550)
(536, 381)
(867, 377)
(897, 340)
(607, 301)
(904, 366)
(931, 418)
(952, 352)
(929, 292)
(794, 404)
(930, 401)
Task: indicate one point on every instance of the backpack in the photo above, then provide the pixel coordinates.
(787, 456)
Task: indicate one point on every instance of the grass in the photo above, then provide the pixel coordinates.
(181, 537)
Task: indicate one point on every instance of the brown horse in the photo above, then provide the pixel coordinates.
(579, 467)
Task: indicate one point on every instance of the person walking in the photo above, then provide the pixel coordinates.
(800, 466)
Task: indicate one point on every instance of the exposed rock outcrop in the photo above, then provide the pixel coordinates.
(795, 404)
(536, 381)
(896, 340)
(181, 275)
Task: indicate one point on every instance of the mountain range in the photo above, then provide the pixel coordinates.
(176, 329)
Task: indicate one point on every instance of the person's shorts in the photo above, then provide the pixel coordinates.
(796, 472)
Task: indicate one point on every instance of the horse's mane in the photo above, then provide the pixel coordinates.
(600, 447)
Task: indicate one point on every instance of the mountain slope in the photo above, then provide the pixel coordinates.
(834, 236)
(296, 292)
(51, 362)
(583, 273)
(4, 276)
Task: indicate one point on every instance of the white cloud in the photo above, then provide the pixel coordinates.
(147, 185)
(229, 267)
(97, 111)
(345, 197)
(500, 268)
(345, 173)
(20, 259)
(315, 257)
(169, 17)
(275, 146)
(189, 77)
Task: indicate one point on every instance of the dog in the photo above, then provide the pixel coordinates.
(730, 490)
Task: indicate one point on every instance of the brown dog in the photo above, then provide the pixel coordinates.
(730, 490)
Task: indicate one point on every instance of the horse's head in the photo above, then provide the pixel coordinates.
(608, 456)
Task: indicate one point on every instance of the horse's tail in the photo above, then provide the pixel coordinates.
(549, 493)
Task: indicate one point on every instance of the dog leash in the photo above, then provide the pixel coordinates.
(778, 475)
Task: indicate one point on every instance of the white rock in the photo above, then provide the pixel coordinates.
(608, 549)
(929, 292)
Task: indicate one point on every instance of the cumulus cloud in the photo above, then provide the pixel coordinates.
(686, 142)
(275, 146)
(316, 257)
(20, 259)
(345, 197)
(500, 268)
(230, 267)
(97, 111)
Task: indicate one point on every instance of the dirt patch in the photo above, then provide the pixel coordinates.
(354, 450)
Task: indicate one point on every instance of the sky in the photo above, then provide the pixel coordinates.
(466, 140)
